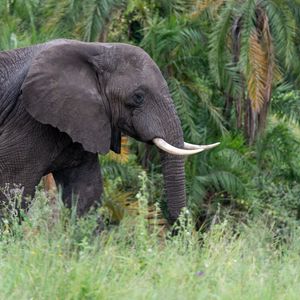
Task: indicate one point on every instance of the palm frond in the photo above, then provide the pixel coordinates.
(282, 24)
(203, 5)
(221, 181)
(175, 7)
(200, 88)
(257, 73)
(274, 149)
(58, 17)
(286, 105)
(227, 169)
(184, 106)
(218, 51)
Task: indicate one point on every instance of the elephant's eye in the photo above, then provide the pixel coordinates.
(138, 98)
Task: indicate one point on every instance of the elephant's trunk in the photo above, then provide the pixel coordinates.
(174, 182)
(173, 167)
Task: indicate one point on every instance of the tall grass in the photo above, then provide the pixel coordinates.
(64, 259)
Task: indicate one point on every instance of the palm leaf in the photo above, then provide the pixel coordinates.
(286, 104)
(258, 73)
(218, 51)
(203, 5)
(282, 24)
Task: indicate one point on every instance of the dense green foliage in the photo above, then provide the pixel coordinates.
(233, 71)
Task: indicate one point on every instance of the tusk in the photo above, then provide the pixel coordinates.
(205, 147)
(163, 145)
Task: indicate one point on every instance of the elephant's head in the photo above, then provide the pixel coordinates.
(94, 91)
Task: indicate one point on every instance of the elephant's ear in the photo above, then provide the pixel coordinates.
(61, 89)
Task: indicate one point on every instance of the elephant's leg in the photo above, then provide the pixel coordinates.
(82, 183)
(18, 188)
(27, 149)
(20, 174)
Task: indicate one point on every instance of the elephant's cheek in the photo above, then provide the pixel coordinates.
(147, 127)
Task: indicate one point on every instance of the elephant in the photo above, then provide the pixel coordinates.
(64, 102)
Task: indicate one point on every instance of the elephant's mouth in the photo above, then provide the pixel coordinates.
(127, 129)
(130, 133)
(188, 149)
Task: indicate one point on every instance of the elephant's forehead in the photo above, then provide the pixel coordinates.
(136, 64)
(153, 76)
(137, 57)
(127, 52)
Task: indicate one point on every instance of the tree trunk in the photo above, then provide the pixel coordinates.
(103, 34)
(238, 112)
(227, 107)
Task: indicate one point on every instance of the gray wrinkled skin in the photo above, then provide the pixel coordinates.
(64, 101)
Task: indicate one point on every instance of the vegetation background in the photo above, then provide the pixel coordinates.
(233, 70)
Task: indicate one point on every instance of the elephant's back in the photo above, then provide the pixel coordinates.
(14, 65)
